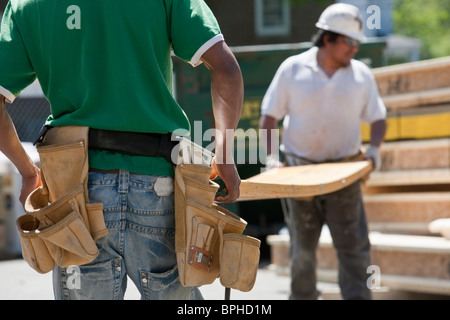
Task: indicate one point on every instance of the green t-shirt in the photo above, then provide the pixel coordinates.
(106, 64)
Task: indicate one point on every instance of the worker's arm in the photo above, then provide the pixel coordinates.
(270, 124)
(12, 148)
(377, 132)
(227, 92)
(377, 135)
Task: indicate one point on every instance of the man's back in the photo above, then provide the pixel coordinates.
(105, 64)
(96, 56)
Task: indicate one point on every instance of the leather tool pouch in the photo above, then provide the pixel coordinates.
(60, 226)
(208, 239)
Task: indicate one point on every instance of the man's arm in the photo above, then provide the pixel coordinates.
(227, 92)
(377, 132)
(270, 124)
(377, 135)
(11, 146)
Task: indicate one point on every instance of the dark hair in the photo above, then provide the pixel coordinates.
(318, 37)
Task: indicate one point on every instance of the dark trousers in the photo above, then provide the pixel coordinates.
(343, 212)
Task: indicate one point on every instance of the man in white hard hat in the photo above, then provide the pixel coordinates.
(323, 95)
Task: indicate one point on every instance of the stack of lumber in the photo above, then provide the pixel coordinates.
(408, 201)
(412, 189)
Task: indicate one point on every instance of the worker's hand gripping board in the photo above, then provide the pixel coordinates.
(301, 181)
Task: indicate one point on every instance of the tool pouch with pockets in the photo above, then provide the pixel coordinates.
(60, 226)
(208, 240)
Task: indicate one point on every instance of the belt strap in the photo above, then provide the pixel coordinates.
(132, 143)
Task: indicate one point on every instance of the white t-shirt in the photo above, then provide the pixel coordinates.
(322, 115)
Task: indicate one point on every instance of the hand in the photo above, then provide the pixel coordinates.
(29, 184)
(273, 162)
(373, 153)
(229, 175)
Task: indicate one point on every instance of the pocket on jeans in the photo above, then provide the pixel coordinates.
(163, 286)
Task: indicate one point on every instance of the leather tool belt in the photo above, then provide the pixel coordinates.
(208, 238)
(60, 226)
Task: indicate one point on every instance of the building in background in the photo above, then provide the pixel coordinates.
(255, 22)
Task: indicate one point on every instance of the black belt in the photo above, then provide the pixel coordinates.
(132, 143)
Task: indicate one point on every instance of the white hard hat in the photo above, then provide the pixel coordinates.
(344, 19)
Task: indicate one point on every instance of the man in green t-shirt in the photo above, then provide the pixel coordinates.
(106, 64)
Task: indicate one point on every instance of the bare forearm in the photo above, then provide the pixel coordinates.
(269, 124)
(377, 132)
(227, 92)
(11, 146)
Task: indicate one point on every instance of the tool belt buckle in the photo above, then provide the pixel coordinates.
(201, 258)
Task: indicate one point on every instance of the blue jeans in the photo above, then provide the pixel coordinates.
(139, 214)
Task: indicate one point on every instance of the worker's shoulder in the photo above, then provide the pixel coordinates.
(22, 3)
(22, 6)
(302, 59)
(361, 66)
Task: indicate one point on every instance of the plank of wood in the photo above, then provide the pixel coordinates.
(404, 284)
(415, 154)
(407, 207)
(404, 212)
(417, 98)
(406, 255)
(413, 76)
(303, 181)
(425, 122)
(439, 176)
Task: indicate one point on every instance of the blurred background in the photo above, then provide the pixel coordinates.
(408, 49)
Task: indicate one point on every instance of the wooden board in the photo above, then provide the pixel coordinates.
(421, 261)
(415, 154)
(440, 176)
(417, 98)
(413, 76)
(303, 181)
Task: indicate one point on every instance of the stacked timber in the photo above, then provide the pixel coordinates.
(412, 189)
(408, 201)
